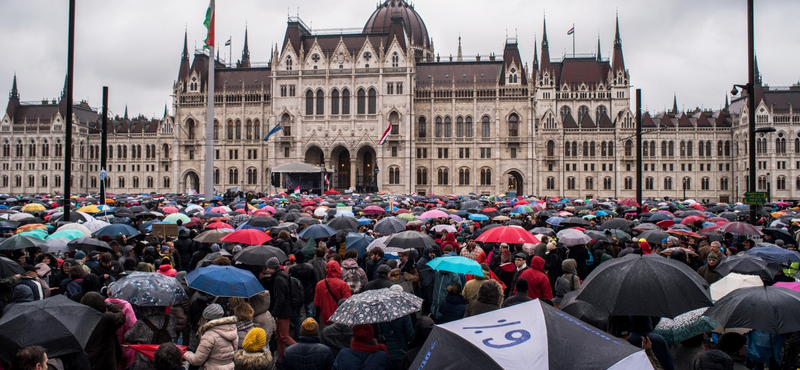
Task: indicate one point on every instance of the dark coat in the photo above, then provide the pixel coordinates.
(337, 337)
(102, 342)
(520, 297)
(305, 273)
(397, 334)
(349, 359)
(185, 248)
(279, 294)
(452, 308)
(488, 300)
(307, 354)
(380, 282)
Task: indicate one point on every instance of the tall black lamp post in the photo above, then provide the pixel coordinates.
(375, 172)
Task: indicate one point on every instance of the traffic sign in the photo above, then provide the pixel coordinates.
(755, 198)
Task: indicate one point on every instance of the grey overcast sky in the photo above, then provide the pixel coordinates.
(693, 48)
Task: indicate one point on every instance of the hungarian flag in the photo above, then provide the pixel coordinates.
(209, 23)
(228, 43)
(297, 190)
(385, 134)
(326, 179)
(149, 350)
(571, 31)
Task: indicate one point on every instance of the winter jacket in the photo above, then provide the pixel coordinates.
(21, 294)
(282, 307)
(353, 275)
(426, 275)
(262, 318)
(253, 360)
(470, 291)
(580, 254)
(422, 329)
(217, 345)
(520, 297)
(328, 299)
(185, 247)
(127, 355)
(305, 273)
(552, 265)
(319, 265)
(441, 281)
(242, 328)
(102, 341)
(379, 282)
(710, 274)
(714, 360)
(538, 283)
(490, 296)
(337, 337)
(397, 333)
(284, 245)
(307, 354)
(36, 287)
(349, 359)
(140, 333)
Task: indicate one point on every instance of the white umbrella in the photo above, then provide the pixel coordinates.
(76, 226)
(96, 225)
(448, 228)
(378, 243)
(20, 216)
(732, 282)
(570, 237)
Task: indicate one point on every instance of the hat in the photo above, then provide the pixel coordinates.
(213, 311)
(29, 268)
(383, 270)
(255, 340)
(779, 243)
(128, 248)
(42, 269)
(522, 255)
(80, 255)
(164, 248)
(503, 245)
(94, 300)
(214, 248)
(309, 328)
(273, 263)
(363, 333)
(713, 256)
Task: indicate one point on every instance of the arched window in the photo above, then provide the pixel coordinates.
(589, 183)
(668, 183)
(728, 147)
(135, 182)
(19, 148)
(486, 176)
(18, 181)
(229, 127)
(663, 148)
(165, 181)
(32, 181)
(448, 126)
(513, 125)
(564, 112)
(671, 148)
(653, 148)
(687, 183)
(238, 129)
(372, 103)
(422, 176)
(256, 130)
(570, 183)
(422, 127)
(648, 183)
(551, 148)
(566, 149)
(248, 130)
(361, 102)
(395, 60)
(335, 102)
(781, 182)
(146, 151)
(645, 148)
(286, 124)
(289, 63)
(443, 176)
(121, 182)
(252, 176)
(607, 183)
(165, 150)
(345, 101)
(32, 148)
(628, 148)
(148, 181)
(723, 183)
(486, 127)
(190, 129)
(585, 148)
(599, 113)
(463, 176)
(216, 176)
(468, 127)
(708, 147)
(705, 183)
(233, 176)
(610, 148)
(583, 111)
(394, 176)
(683, 148)
(6, 149)
(592, 149)
(603, 149)
(574, 148)
(689, 145)
(629, 183)
(459, 126)
(216, 130)
(796, 183)
(796, 145)
(57, 180)
(320, 102)
(551, 183)
(44, 181)
(719, 148)
(438, 126)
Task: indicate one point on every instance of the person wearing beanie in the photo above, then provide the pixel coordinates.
(364, 352)
(308, 353)
(733, 344)
(102, 346)
(330, 290)
(521, 295)
(254, 354)
(709, 270)
(80, 259)
(218, 341)
(281, 307)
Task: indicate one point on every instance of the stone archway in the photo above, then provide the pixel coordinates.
(515, 182)
(315, 156)
(366, 164)
(191, 181)
(341, 167)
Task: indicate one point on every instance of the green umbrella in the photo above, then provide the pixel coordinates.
(406, 216)
(66, 234)
(173, 218)
(35, 233)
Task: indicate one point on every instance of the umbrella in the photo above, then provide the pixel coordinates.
(508, 234)
(173, 218)
(443, 227)
(376, 306)
(390, 225)
(288, 226)
(76, 226)
(731, 282)
(684, 326)
(258, 255)
(654, 237)
(33, 207)
(374, 210)
(148, 289)
(149, 350)
(478, 217)
(574, 221)
(619, 234)
(246, 236)
(410, 239)
(543, 230)
(219, 225)
(20, 241)
(747, 264)
(780, 234)
(617, 223)
(117, 229)
(741, 228)
(88, 244)
(531, 335)
(671, 287)
(775, 254)
(317, 232)
(358, 241)
(212, 236)
(307, 221)
(456, 264)
(434, 213)
(224, 281)
(583, 311)
(262, 222)
(58, 324)
(55, 245)
(598, 235)
(791, 286)
(571, 237)
(768, 309)
(9, 267)
(65, 234)
(344, 223)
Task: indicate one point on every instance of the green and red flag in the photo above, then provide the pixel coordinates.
(209, 23)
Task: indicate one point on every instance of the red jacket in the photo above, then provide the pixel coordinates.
(538, 283)
(324, 298)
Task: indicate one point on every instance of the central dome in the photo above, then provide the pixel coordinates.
(414, 26)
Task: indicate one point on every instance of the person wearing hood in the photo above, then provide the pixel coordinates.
(567, 282)
(426, 276)
(185, 247)
(450, 239)
(470, 291)
(262, 318)
(330, 290)
(645, 246)
(538, 283)
(352, 273)
(199, 255)
(218, 341)
(59, 275)
(398, 278)
(21, 294)
(102, 345)
(521, 295)
(364, 352)
(282, 308)
(580, 254)
(453, 306)
(304, 272)
(709, 270)
(91, 283)
(422, 329)
(490, 298)
(166, 269)
(142, 333)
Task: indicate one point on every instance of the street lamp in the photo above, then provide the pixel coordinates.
(684, 188)
(375, 171)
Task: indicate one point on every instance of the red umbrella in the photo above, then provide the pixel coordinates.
(331, 192)
(521, 202)
(489, 210)
(740, 228)
(508, 234)
(682, 233)
(400, 211)
(710, 229)
(218, 225)
(629, 203)
(262, 213)
(373, 210)
(698, 206)
(149, 350)
(246, 236)
(691, 219)
(194, 222)
(666, 223)
(309, 203)
(718, 219)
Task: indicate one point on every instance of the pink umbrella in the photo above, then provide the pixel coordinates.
(169, 210)
(791, 286)
(434, 213)
(271, 209)
(373, 210)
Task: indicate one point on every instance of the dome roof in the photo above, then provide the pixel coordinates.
(414, 26)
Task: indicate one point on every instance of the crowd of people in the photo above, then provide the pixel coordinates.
(274, 329)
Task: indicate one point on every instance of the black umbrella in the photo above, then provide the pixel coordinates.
(654, 237)
(88, 244)
(259, 254)
(409, 239)
(645, 286)
(344, 223)
(584, 311)
(123, 212)
(58, 324)
(262, 222)
(574, 221)
(307, 221)
(598, 236)
(291, 217)
(728, 215)
(288, 226)
(780, 234)
(615, 223)
(9, 267)
(748, 265)
(20, 241)
(390, 225)
(543, 230)
(768, 309)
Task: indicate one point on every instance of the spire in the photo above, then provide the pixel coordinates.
(165, 110)
(726, 103)
(183, 71)
(459, 57)
(675, 103)
(545, 63)
(758, 73)
(14, 94)
(185, 55)
(245, 53)
(618, 64)
(125, 117)
(64, 90)
(599, 54)
(13, 100)
(535, 55)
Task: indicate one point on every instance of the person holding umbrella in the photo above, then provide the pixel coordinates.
(364, 352)
(101, 346)
(282, 308)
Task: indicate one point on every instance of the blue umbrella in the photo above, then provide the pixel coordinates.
(317, 231)
(456, 264)
(117, 229)
(357, 241)
(364, 221)
(555, 221)
(659, 217)
(774, 254)
(742, 207)
(224, 281)
(602, 213)
(478, 217)
(344, 214)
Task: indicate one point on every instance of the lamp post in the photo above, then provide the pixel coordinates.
(684, 188)
(375, 171)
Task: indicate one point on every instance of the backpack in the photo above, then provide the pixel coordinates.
(296, 294)
(160, 335)
(350, 276)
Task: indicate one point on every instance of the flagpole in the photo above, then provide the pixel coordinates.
(208, 189)
(230, 53)
(573, 40)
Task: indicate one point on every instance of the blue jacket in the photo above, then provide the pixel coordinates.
(349, 359)
(397, 334)
(307, 354)
(452, 308)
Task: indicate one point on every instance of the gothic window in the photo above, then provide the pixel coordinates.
(582, 112)
(395, 59)
(165, 149)
(607, 183)
(190, 129)
(335, 102)
(367, 56)
(165, 181)
(286, 124)
(708, 147)
(663, 148)
(19, 148)
(565, 111)
(592, 149)
(486, 176)
(459, 126)
(551, 148)
(121, 182)
(448, 126)
(689, 145)
(320, 103)
(443, 176)
(248, 130)
(216, 176)
(570, 183)
(574, 148)
(728, 147)
(629, 183)
(361, 102)
(551, 183)
(513, 125)
(671, 148)
(603, 149)
(233, 176)
(589, 183)
(486, 126)
(468, 127)
(216, 130)
(599, 113)
(309, 103)
(345, 101)
(704, 183)
(149, 181)
(653, 148)
(422, 127)
(566, 149)
(648, 183)
(585, 148)
(289, 63)
(438, 127)
(372, 101)
(687, 183)
(394, 120)
(6, 149)
(394, 176)
(628, 148)
(723, 183)
(229, 128)
(610, 148)
(463, 176)
(781, 183)
(667, 183)
(252, 176)
(422, 176)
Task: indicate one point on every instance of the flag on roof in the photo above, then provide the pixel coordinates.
(209, 23)
(571, 31)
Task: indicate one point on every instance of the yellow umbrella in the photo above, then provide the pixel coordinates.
(89, 209)
(33, 207)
